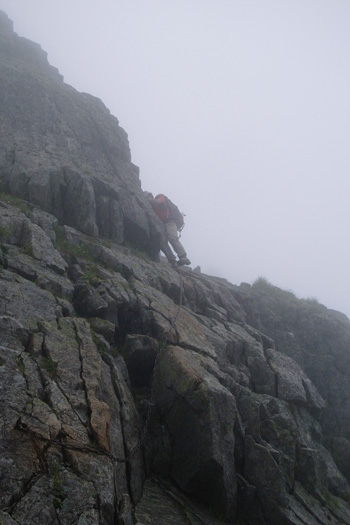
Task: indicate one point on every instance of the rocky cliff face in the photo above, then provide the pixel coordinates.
(63, 151)
(248, 421)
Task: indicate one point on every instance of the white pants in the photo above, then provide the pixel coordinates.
(172, 237)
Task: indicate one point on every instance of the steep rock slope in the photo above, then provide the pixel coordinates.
(63, 150)
(248, 418)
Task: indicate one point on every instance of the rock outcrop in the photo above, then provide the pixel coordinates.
(65, 152)
(132, 392)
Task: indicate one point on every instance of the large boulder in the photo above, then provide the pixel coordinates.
(200, 415)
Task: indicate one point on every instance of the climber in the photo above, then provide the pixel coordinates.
(168, 213)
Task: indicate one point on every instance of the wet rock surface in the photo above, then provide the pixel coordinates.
(246, 406)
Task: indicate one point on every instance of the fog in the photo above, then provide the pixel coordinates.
(238, 110)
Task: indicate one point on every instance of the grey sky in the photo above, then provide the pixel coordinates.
(238, 110)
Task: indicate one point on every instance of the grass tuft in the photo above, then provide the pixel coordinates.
(22, 205)
(262, 285)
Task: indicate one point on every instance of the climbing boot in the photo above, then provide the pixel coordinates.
(183, 260)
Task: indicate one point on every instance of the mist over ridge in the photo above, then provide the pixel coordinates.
(134, 391)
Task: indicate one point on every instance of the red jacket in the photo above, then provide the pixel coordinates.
(161, 208)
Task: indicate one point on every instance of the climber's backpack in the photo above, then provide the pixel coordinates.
(175, 214)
